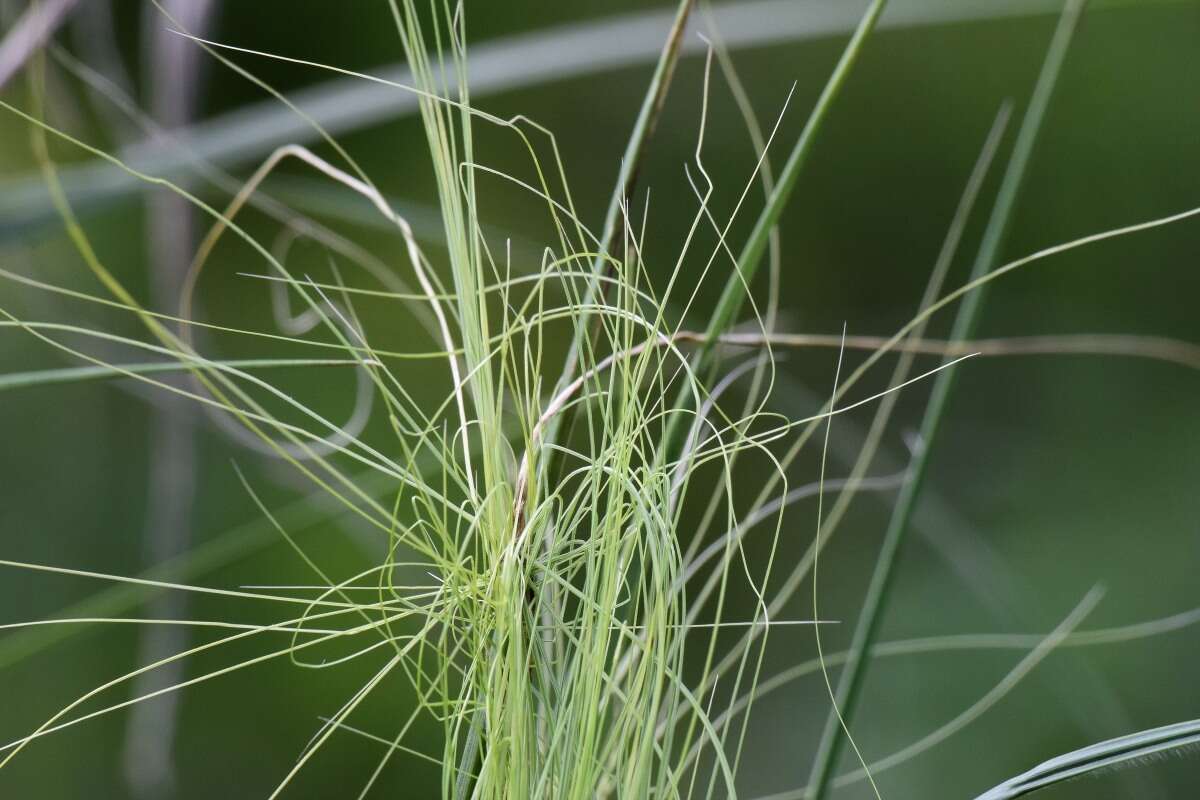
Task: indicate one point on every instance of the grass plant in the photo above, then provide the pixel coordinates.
(564, 526)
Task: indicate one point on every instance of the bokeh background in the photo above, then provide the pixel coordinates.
(1052, 474)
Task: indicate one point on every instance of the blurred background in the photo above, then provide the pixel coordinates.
(1052, 473)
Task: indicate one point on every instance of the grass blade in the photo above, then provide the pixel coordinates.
(1113, 753)
(42, 377)
(737, 286)
(964, 324)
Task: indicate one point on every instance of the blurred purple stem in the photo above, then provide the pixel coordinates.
(172, 78)
(30, 32)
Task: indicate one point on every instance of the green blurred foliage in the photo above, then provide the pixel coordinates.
(1053, 473)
